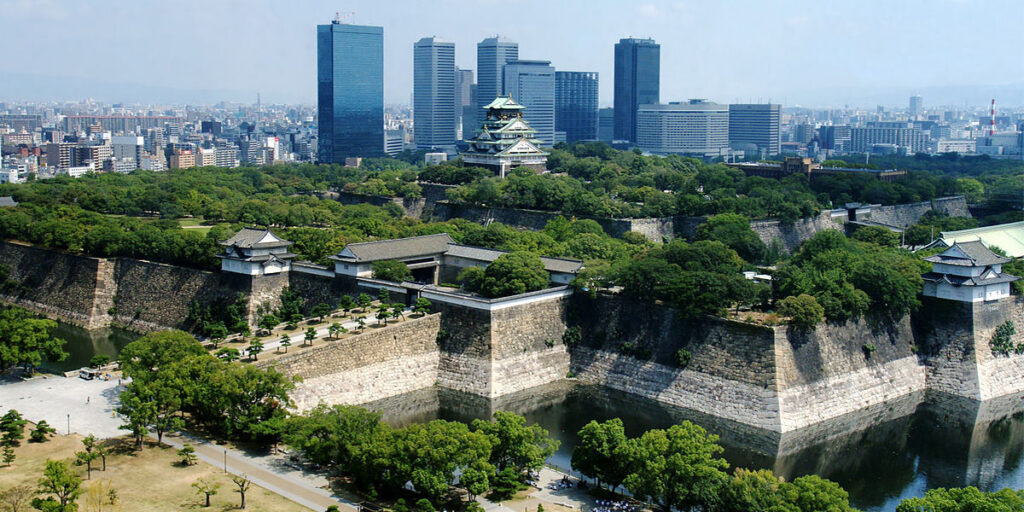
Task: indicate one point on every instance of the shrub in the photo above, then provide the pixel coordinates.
(803, 311)
(868, 348)
(1002, 339)
(572, 336)
(683, 357)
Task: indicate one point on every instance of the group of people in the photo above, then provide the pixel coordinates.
(615, 506)
(564, 483)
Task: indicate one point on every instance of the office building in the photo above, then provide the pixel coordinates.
(350, 91)
(182, 159)
(916, 104)
(835, 138)
(697, 127)
(755, 127)
(637, 82)
(531, 83)
(576, 105)
(899, 135)
(606, 124)
(128, 147)
(491, 56)
(465, 106)
(433, 103)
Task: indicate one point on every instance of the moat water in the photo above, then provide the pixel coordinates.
(83, 344)
(880, 455)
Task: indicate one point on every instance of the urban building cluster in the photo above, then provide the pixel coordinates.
(470, 113)
(449, 109)
(72, 139)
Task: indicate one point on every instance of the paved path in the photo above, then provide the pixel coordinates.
(273, 342)
(88, 407)
(297, 485)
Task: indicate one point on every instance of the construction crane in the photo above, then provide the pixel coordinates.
(339, 18)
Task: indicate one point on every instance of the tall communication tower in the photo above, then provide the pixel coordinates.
(992, 121)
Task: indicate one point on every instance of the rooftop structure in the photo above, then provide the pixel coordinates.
(967, 272)
(255, 251)
(7, 201)
(434, 257)
(812, 169)
(505, 140)
(1008, 237)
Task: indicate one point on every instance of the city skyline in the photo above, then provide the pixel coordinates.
(857, 55)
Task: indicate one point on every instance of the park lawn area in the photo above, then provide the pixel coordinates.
(194, 224)
(150, 480)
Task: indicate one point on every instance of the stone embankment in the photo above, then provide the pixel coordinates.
(379, 363)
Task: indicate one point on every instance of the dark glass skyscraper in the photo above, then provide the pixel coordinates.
(491, 56)
(531, 83)
(637, 82)
(350, 91)
(434, 93)
(576, 105)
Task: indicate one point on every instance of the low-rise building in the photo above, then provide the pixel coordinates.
(967, 272)
(256, 252)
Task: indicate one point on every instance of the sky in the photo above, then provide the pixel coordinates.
(819, 53)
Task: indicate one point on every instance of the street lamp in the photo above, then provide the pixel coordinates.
(69, 423)
(225, 460)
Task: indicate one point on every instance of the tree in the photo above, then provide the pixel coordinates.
(141, 358)
(310, 336)
(13, 427)
(751, 490)
(64, 486)
(207, 488)
(877, 235)
(254, 349)
(514, 443)
(98, 360)
(269, 321)
(228, 354)
(677, 467)
(513, 273)
(346, 304)
(597, 453)
(334, 330)
(476, 480)
(383, 296)
(17, 498)
(391, 270)
(812, 492)
(89, 454)
(363, 301)
(362, 322)
(243, 483)
(25, 340)
(803, 311)
(321, 310)
(41, 432)
(422, 306)
(100, 497)
(382, 314)
(734, 231)
(8, 455)
(187, 454)
(286, 341)
(397, 311)
(102, 452)
(965, 499)
(151, 405)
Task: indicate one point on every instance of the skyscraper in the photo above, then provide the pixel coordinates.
(637, 82)
(491, 56)
(350, 91)
(434, 94)
(916, 102)
(465, 107)
(755, 127)
(697, 127)
(576, 104)
(531, 83)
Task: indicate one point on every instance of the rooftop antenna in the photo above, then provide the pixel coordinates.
(339, 18)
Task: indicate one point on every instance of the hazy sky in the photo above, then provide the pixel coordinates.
(814, 53)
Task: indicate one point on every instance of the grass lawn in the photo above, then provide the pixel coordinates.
(150, 480)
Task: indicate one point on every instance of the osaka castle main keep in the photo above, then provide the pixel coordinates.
(505, 140)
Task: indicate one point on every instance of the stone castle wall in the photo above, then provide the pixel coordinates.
(792, 235)
(415, 207)
(904, 215)
(152, 296)
(655, 229)
(57, 284)
(379, 363)
(765, 377)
